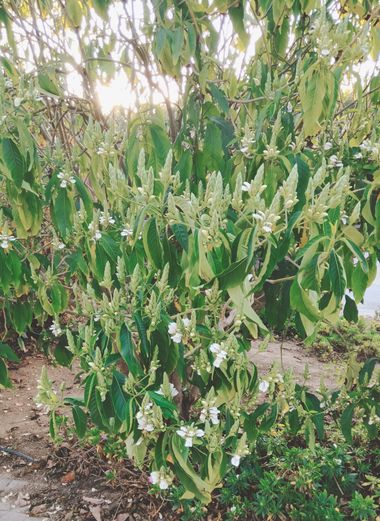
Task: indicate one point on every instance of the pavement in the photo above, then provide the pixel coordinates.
(13, 501)
(371, 301)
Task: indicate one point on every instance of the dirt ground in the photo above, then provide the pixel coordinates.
(69, 483)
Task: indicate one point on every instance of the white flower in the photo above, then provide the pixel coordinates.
(17, 102)
(322, 405)
(61, 245)
(259, 216)
(55, 328)
(327, 146)
(177, 338)
(267, 227)
(271, 152)
(186, 322)
(335, 162)
(173, 390)
(5, 240)
(279, 378)
(145, 418)
(235, 460)
(219, 352)
(210, 413)
(97, 235)
(126, 231)
(65, 179)
(246, 186)
(106, 219)
(172, 328)
(161, 478)
(289, 107)
(263, 386)
(325, 52)
(359, 155)
(188, 433)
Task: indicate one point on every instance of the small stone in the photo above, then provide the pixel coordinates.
(38, 509)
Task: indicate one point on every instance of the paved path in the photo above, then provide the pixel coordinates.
(371, 301)
(10, 489)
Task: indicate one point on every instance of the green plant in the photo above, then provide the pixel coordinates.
(361, 339)
(363, 508)
(6, 353)
(143, 241)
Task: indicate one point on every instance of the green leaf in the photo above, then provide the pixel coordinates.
(366, 371)
(301, 302)
(101, 7)
(181, 234)
(234, 274)
(14, 161)
(127, 351)
(62, 213)
(350, 311)
(85, 196)
(80, 420)
(47, 84)
(63, 356)
(22, 316)
(312, 91)
(186, 473)
(177, 44)
(119, 400)
(152, 243)
(145, 347)
(337, 275)
(359, 282)
(357, 253)
(7, 352)
(219, 97)
(4, 379)
(74, 12)
(237, 19)
(346, 422)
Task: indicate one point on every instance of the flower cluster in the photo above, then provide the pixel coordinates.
(65, 179)
(219, 352)
(163, 478)
(209, 412)
(175, 332)
(96, 233)
(145, 418)
(5, 239)
(55, 328)
(188, 433)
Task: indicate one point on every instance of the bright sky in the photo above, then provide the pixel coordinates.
(119, 92)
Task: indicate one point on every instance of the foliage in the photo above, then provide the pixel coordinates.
(144, 240)
(361, 340)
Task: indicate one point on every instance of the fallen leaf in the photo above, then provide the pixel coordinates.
(96, 512)
(122, 517)
(93, 500)
(69, 477)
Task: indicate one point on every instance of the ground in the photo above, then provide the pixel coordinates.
(69, 483)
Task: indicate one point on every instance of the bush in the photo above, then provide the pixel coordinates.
(143, 241)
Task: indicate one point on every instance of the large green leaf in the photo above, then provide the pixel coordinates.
(14, 161)
(337, 275)
(80, 420)
(128, 351)
(312, 90)
(63, 212)
(7, 352)
(152, 243)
